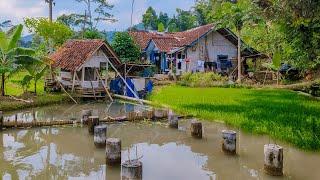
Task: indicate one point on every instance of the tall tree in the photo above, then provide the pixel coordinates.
(299, 23)
(173, 27)
(9, 51)
(98, 11)
(185, 20)
(164, 19)
(161, 27)
(125, 47)
(54, 34)
(150, 19)
(234, 14)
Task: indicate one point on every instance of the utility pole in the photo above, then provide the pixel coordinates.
(132, 7)
(51, 3)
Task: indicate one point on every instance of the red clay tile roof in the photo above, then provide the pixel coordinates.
(178, 39)
(166, 44)
(187, 37)
(74, 53)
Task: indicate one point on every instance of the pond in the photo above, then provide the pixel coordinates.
(68, 152)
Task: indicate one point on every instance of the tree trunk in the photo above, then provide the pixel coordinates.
(239, 56)
(2, 84)
(90, 14)
(50, 10)
(35, 87)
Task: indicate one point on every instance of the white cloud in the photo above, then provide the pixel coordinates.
(16, 10)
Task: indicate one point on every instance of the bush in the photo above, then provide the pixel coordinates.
(203, 80)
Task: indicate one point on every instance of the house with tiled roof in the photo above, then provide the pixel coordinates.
(83, 66)
(204, 48)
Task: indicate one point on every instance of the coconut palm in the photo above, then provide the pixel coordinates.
(9, 51)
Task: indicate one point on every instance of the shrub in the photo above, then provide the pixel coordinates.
(203, 80)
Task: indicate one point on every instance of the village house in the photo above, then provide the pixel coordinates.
(83, 66)
(90, 69)
(199, 49)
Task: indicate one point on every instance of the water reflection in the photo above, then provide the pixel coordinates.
(69, 152)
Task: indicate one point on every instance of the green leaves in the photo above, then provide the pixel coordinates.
(53, 33)
(15, 37)
(125, 47)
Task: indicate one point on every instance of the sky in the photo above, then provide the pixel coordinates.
(17, 10)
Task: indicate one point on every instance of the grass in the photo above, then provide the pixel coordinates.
(42, 98)
(14, 89)
(282, 114)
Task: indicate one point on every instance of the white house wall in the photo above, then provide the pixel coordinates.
(216, 45)
(94, 62)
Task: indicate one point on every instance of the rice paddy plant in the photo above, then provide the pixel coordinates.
(281, 114)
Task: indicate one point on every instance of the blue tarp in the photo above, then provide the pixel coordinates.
(115, 86)
(131, 85)
(149, 86)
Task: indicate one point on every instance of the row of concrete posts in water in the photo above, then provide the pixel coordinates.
(132, 169)
(273, 154)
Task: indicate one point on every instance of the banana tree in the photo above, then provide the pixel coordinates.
(9, 50)
(36, 68)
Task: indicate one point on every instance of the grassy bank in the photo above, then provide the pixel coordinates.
(8, 104)
(282, 114)
(14, 89)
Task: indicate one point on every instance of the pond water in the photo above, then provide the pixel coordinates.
(68, 152)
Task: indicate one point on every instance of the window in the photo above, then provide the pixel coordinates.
(89, 74)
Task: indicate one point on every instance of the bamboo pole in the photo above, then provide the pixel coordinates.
(67, 93)
(104, 86)
(125, 82)
(14, 124)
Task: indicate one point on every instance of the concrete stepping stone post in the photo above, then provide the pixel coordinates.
(273, 159)
(173, 121)
(92, 122)
(229, 142)
(100, 136)
(196, 129)
(113, 151)
(85, 114)
(131, 170)
(160, 113)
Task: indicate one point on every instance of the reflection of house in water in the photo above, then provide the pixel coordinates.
(200, 49)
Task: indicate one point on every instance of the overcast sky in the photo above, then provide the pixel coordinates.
(16, 10)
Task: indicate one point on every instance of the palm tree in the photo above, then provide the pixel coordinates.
(9, 51)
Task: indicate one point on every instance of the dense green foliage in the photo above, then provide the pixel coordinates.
(93, 34)
(203, 80)
(54, 34)
(289, 28)
(125, 47)
(182, 21)
(282, 114)
(150, 19)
